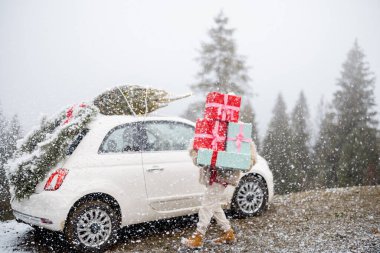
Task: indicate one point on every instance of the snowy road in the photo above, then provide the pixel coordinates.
(10, 234)
(335, 220)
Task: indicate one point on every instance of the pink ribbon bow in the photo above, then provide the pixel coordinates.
(224, 109)
(239, 139)
(70, 113)
(214, 136)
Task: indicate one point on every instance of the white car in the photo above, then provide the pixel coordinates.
(126, 170)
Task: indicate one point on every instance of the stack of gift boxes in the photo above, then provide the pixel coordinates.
(220, 139)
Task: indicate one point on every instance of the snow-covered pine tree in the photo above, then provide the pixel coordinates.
(277, 149)
(223, 70)
(325, 154)
(10, 132)
(354, 103)
(14, 133)
(247, 115)
(301, 144)
(3, 137)
(376, 179)
(3, 151)
(44, 147)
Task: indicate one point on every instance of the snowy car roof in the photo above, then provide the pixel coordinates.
(114, 120)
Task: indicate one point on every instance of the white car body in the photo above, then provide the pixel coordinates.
(146, 185)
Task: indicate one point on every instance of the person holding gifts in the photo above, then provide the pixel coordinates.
(222, 148)
(215, 181)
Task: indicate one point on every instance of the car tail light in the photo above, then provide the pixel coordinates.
(55, 180)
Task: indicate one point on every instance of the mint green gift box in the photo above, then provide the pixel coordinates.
(239, 138)
(225, 160)
(233, 161)
(204, 156)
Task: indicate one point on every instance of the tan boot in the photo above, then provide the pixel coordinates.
(227, 237)
(194, 241)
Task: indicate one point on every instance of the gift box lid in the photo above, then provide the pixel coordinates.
(220, 98)
(239, 137)
(223, 107)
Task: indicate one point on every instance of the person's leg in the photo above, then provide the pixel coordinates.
(219, 214)
(208, 205)
(228, 235)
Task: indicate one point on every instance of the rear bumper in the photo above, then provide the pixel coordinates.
(29, 219)
(46, 209)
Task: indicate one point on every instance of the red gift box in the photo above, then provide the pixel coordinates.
(222, 107)
(210, 134)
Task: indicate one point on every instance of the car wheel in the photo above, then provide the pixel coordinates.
(250, 197)
(92, 226)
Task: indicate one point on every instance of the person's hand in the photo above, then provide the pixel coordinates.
(194, 155)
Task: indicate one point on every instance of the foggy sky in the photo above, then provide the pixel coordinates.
(57, 53)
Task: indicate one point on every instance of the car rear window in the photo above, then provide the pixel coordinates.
(74, 144)
(123, 138)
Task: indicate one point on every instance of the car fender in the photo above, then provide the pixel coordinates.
(107, 187)
(260, 168)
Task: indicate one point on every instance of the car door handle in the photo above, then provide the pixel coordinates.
(155, 168)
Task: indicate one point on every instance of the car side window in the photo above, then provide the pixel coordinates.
(167, 136)
(123, 138)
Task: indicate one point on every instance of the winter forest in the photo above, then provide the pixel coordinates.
(317, 153)
(346, 125)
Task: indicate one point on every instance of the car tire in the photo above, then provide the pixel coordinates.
(92, 226)
(250, 197)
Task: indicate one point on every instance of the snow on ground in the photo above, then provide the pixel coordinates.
(10, 234)
(330, 221)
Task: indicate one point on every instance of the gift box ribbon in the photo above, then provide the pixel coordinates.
(224, 109)
(214, 136)
(70, 113)
(239, 139)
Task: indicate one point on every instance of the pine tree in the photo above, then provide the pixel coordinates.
(3, 151)
(222, 67)
(10, 132)
(277, 148)
(301, 144)
(222, 70)
(319, 117)
(376, 179)
(14, 134)
(3, 137)
(247, 115)
(354, 103)
(4, 193)
(325, 155)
